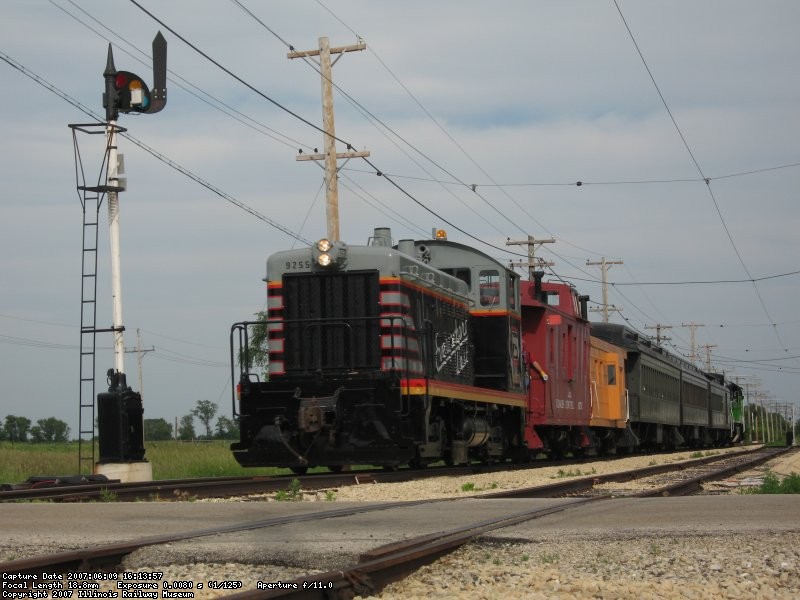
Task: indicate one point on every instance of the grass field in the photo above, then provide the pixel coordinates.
(170, 460)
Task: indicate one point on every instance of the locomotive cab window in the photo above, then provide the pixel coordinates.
(464, 275)
(490, 287)
(511, 292)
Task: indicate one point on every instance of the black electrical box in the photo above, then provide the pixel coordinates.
(120, 425)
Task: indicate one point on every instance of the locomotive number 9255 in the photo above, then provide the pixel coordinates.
(297, 265)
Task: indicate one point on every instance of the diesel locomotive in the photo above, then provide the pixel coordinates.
(431, 350)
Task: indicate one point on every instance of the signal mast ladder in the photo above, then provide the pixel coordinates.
(91, 198)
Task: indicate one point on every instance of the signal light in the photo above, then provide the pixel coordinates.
(126, 92)
(132, 94)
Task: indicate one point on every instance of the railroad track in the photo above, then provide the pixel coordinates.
(686, 478)
(78, 489)
(72, 490)
(393, 562)
(378, 567)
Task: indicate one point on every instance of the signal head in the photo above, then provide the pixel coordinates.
(133, 95)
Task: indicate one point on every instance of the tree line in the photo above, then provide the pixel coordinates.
(204, 411)
(17, 429)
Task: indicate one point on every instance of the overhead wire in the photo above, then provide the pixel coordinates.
(582, 183)
(218, 104)
(314, 126)
(578, 183)
(200, 94)
(691, 282)
(373, 118)
(163, 158)
(702, 174)
(652, 283)
(368, 115)
(472, 187)
(450, 137)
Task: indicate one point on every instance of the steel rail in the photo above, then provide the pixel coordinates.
(582, 484)
(110, 555)
(690, 485)
(381, 566)
(219, 487)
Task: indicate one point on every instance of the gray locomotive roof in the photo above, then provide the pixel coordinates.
(388, 261)
(449, 253)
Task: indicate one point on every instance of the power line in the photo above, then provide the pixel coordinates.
(373, 119)
(700, 171)
(310, 124)
(582, 183)
(163, 158)
(234, 75)
(214, 102)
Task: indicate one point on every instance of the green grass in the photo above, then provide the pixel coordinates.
(170, 460)
(293, 493)
(20, 461)
(576, 473)
(773, 485)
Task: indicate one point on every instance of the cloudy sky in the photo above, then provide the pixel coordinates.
(680, 119)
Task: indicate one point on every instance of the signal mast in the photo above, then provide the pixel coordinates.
(119, 411)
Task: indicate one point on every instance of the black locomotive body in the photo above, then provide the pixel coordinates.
(372, 360)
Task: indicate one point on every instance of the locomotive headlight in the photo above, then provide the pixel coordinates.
(329, 255)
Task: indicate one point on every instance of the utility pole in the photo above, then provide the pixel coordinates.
(658, 327)
(532, 262)
(693, 356)
(741, 380)
(605, 265)
(708, 348)
(139, 355)
(329, 156)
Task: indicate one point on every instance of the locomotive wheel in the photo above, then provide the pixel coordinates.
(335, 468)
(299, 470)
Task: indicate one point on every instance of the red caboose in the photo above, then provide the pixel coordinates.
(555, 344)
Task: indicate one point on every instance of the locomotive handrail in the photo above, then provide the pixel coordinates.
(241, 328)
(415, 275)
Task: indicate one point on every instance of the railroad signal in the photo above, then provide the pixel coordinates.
(132, 94)
(127, 92)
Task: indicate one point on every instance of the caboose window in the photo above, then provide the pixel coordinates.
(490, 287)
(612, 374)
